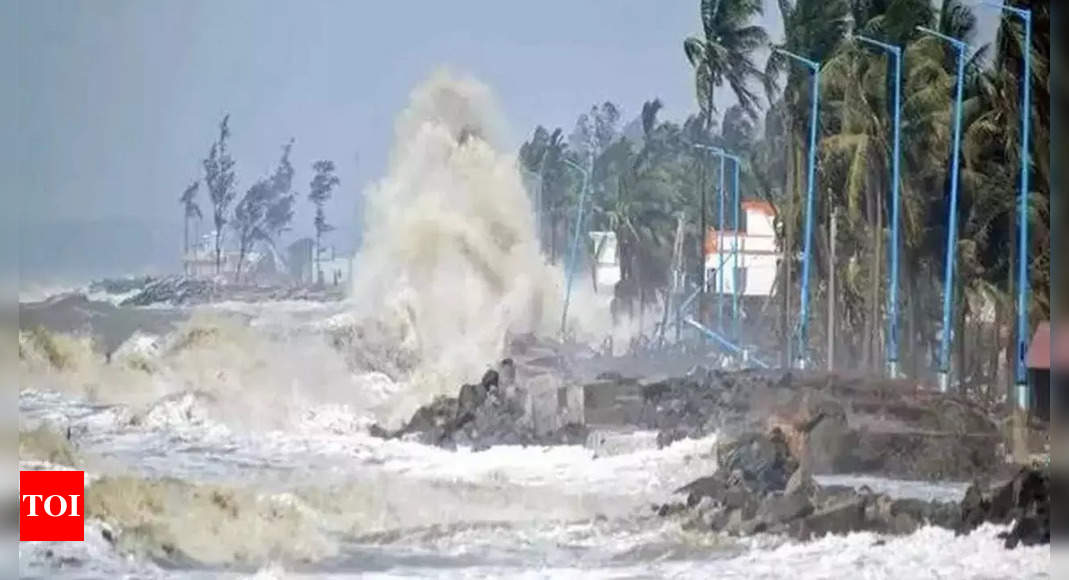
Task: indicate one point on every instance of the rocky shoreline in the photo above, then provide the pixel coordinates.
(187, 291)
(859, 425)
(760, 486)
(779, 430)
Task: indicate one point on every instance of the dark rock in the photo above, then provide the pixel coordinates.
(508, 373)
(173, 290)
(471, 397)
(480, 416)
(764, 461)
(850, 424)
(120, 285)
(839, 519)
(1023, 501)
(780, 508)
(610, 376)
(713, 487)
(489, 380)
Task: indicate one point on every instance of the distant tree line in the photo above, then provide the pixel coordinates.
(264, 212)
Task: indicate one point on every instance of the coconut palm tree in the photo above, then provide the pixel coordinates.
(725, 51)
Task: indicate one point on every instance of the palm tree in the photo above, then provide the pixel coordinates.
(638, 206)
(190, 211)
(544, 155)
(725, 53)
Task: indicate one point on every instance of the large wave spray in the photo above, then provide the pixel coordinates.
(450, 247)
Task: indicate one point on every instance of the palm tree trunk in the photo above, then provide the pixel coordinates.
(218, 248)
(553, 238)
(909, 348)
(185, 246)
(788, 250)
(963, 370)
(874, 306)
(318, 268)
(243, 248)
(996, 347)
(1011, 286)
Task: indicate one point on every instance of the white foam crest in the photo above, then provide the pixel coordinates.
(450, 251)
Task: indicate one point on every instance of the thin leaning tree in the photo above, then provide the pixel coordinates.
(319, 192)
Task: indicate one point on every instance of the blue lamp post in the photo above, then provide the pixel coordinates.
(720, 251)
(803, 322)
(952, 218)
(892, 294)
(573, 252)
(1022, 211)
(734, 253)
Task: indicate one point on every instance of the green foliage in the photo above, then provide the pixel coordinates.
(319, 192)
(724, 53)
(219, 178)
(642, 182)
(266, 209)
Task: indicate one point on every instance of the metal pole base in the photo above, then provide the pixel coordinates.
(1022, 396)
(944, 381)
(892, 369)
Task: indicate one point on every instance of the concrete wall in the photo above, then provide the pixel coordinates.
(550, 404)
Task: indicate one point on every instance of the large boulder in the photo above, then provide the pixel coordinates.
(1023, 501)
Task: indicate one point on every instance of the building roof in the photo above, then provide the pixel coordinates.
(1040, 354)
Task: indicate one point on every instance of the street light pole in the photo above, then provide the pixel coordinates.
(803, 321)
(952, 218)
(570, 266)
(736, 161)
(735, 254)
(720, 251)
(1020, 372)
(892, 296)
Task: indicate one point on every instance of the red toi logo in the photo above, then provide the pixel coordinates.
(51, 506)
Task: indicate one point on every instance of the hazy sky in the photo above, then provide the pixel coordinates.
(117, 101)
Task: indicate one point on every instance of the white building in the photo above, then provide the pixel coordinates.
(747, 258)
(263, 264)
(337, 268)
(606, 261)
(199, 261)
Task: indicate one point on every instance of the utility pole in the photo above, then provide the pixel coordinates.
(701, 240)
(831, 289)
(807, 254)
(952, 218)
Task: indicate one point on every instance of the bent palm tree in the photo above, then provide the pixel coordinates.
(725, 53)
